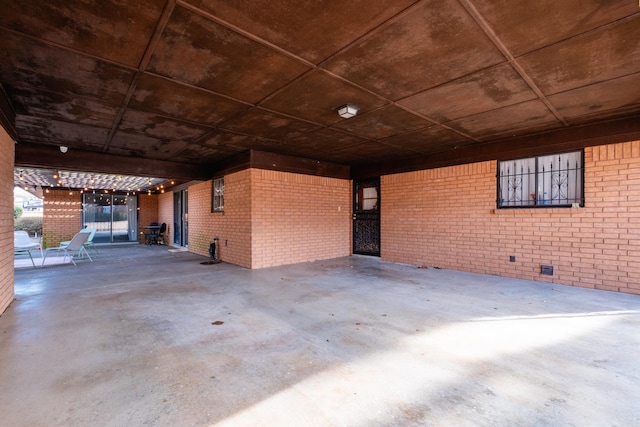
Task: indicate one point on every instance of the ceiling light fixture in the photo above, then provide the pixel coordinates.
(347, 111)
(64, 149)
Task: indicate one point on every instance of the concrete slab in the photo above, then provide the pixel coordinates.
(144, 336)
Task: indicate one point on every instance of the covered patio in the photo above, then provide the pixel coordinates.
(149, 336)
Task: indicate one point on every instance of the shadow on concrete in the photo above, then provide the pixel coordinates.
(147, 336)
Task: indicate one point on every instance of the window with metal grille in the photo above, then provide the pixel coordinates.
(218, 195)
(542, 181)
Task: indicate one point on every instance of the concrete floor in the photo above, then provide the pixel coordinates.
(131, 340)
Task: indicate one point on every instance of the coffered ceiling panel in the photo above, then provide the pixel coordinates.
(475, 93)
(375, 151)
(63, 107)
(167, 97)
(56, 132)
(144, 146)
(118, 30)
(30, 63)
(428, 140)
(430, 45)
(383, 123)
(316, 96)
(186, 83)
(609, 98)
(225, 141)
(327, 140)
(328, 144)
(196, 50)
(312, 31)
(269, 125)
(159, 127)
(512, 120)
(607, 53)
(530, 25)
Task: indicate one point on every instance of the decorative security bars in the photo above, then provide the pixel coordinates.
(544, 181)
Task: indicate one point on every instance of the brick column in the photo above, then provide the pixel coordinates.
(6, 219)
(61, 216)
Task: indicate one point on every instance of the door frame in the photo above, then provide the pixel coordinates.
(366, 221)
(181, 218)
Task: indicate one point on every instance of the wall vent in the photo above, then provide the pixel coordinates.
(547, 270)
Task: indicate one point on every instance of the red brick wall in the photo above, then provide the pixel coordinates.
(447, 218)
(165, 214)
(298, 218)
(273, 218)
(232, 227)
(6, 219)
(147, 212)
(61, 216)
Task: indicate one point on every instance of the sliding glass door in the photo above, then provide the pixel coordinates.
(113, 216)
(181, 218)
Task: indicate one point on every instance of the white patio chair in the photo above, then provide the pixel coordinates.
(89, 244)
(22, 244)
(75, 247)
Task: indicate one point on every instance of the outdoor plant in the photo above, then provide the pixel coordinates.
(32, 225)
(17, 212)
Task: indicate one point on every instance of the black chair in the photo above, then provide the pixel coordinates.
(152, 233)
(160, 240)
(156, 235)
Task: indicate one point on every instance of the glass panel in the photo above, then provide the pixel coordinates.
(132, 217)
(113, 217)
(367, 198)
(554, 180)
(120, 226)
(218, 194)
(177, 215)
(560, 179)
(97, 214)
(185, 203)
(517, 183)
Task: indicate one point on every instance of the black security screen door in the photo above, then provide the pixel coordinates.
(366, 217)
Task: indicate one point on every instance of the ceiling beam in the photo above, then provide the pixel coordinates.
(558, 141)
(278, 162)
(7, 115)
(50, 157)
(282, 163)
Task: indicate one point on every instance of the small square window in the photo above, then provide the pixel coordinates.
(218, 195)
(544, 181)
